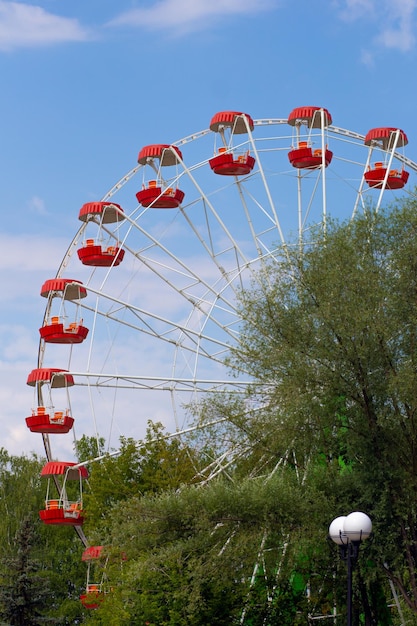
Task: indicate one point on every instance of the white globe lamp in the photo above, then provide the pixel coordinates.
(336, 530)
(357, 526)
(348, 532)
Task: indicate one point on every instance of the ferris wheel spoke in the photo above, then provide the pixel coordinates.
(209, 208)
(197, 339)
(133, 381)
(207, 304)
(176, 266)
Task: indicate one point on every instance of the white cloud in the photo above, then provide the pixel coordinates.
(186, 15)
(37, 205)
(367, 58)
(23, 26)
(352, 10)
(18, 343)
(398, 33)
(31, 253)
(390, 23)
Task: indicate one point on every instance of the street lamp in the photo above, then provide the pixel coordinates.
(348, 531)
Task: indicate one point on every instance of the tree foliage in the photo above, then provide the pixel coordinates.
(329, 335)
(24, 592)
(158, 463)
(191, 553)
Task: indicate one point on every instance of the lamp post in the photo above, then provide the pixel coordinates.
(348, 532)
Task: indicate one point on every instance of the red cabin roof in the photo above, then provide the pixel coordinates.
(237, 121)
(387, 137)
(167, 154)
(92, 553)
(67, 288)
(57, 377)
(311, 116)
(60, 468)
(108, 212)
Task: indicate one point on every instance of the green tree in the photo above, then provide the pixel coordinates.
(159, 462)
(21, 494)
(204, 555)
(329, 336)
(24, 591)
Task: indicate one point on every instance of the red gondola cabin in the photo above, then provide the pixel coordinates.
(155, 193)
(62, 510)
(228, 161)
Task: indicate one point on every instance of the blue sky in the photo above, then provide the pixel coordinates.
(85, 85)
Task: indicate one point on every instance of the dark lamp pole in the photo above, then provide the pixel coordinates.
(348, 532)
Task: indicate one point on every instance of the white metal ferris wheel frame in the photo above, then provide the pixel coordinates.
(181, 334)
(215, 296)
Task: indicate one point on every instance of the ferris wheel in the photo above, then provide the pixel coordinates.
(142, 311)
